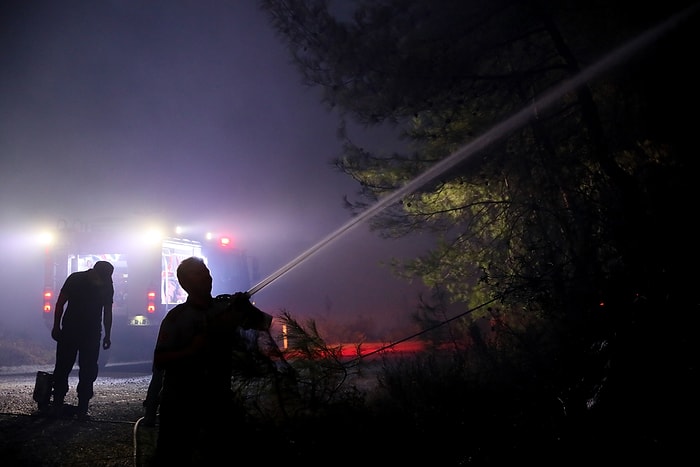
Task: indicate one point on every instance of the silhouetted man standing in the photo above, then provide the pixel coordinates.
(77, 332)
(194, 353)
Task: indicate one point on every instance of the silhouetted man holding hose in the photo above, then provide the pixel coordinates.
(194, 351)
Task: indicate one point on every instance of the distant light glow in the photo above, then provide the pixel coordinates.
(46, 238)
(153, 235)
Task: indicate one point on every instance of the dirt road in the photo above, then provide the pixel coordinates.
(28, 438)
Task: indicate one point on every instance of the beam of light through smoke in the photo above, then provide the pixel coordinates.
(499, 131)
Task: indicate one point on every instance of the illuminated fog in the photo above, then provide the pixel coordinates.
(180, 114)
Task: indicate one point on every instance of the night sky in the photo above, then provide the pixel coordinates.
(188, 111)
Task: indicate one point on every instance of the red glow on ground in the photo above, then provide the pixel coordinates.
(371, 349)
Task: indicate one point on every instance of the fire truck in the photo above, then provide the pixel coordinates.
(145, 263)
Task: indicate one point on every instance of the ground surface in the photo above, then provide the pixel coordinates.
(28, 438)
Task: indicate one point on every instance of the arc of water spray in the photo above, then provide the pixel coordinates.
(497, 132)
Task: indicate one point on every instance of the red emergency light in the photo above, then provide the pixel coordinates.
(151, 307)
(48, 295)
(225, 241)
